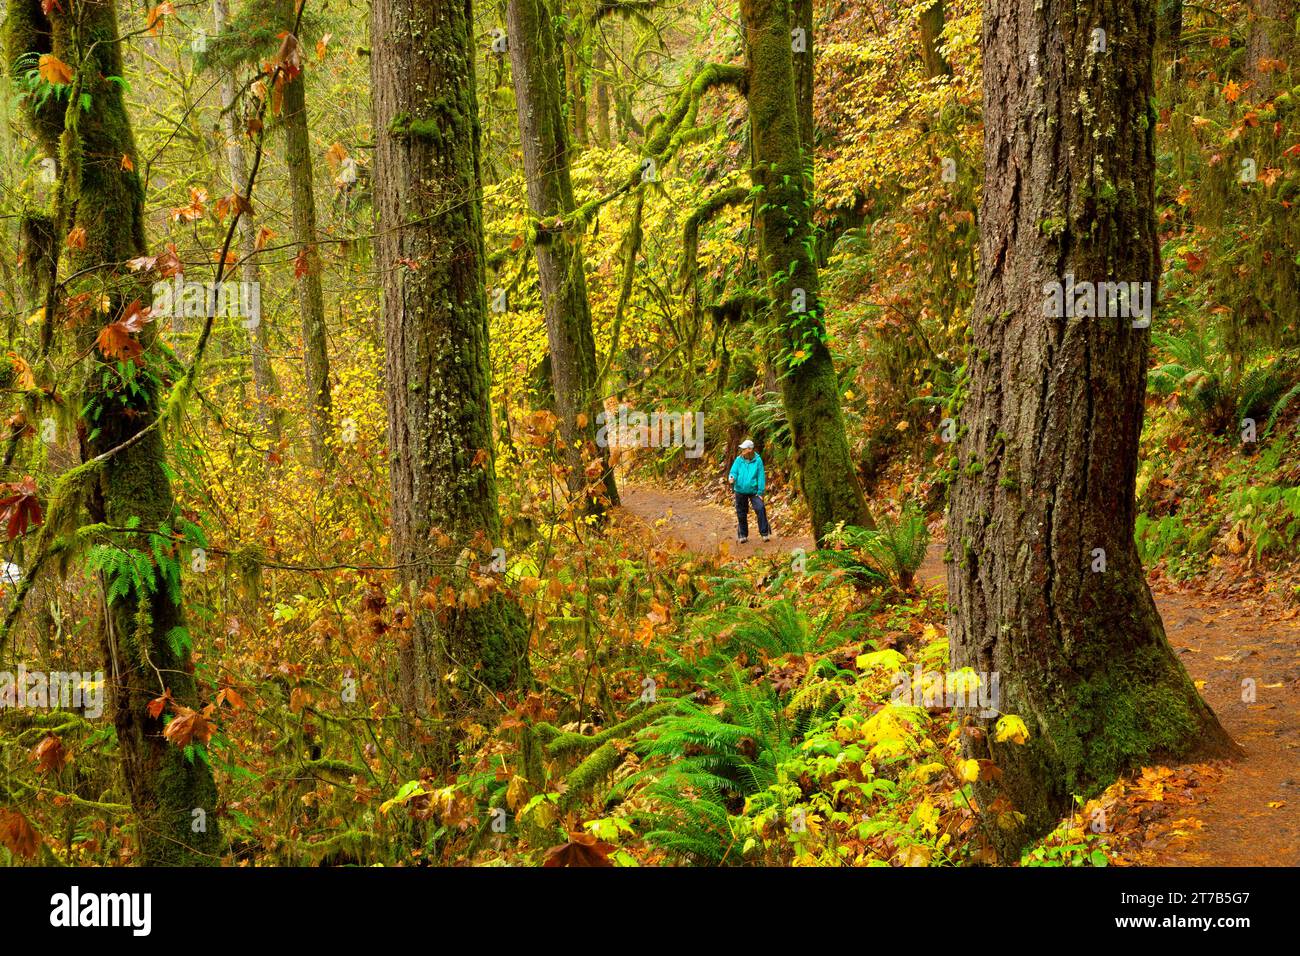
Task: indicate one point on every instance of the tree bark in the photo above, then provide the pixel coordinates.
(265, 387)
(173, 796)
(801, 12)
(599, 66)
(931, 27)
(537, 64)
(809, 385)
(1049, 446)
(428, 195)
(576, 80)
(311, 300)
(1271, 38)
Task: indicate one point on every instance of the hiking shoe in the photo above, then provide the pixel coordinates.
(741, 540)
(767, 537)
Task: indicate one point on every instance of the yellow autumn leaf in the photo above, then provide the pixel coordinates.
(925, 771)
(887, 724)
(408, 792)
(1012, 728)
(888, 659)
(926, 816)
(968, 771)
(516, 792)
(889, 747)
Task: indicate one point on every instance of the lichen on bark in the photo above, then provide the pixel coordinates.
(173, 796)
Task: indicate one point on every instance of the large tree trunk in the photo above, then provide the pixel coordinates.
(428, 196)
(311, 301)
(537, 63)
(809, 385)
(1272, 36)
(1048, 456)
(173, 797)
(265, 387)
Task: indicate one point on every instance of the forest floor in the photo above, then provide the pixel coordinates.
(1224, 813)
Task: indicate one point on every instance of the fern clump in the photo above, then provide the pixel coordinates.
(895, 548)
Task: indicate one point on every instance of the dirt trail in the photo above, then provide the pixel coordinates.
(1222, 642)
(702, 526)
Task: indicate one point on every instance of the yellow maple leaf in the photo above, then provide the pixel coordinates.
(1012, 728)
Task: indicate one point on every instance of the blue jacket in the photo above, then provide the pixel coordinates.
(749, 475)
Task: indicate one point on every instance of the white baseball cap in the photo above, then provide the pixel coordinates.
(746, 444)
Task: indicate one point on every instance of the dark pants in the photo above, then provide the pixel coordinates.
(742, 515)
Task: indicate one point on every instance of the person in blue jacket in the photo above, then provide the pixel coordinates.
(748, 482)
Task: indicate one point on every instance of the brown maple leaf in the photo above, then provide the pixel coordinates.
(116, 343)
(20, 509)
(18, 835)
(50, 755)
(583, 849)
(189, 726)
(23, 372)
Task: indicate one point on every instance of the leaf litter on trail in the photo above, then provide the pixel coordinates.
(1143, 817)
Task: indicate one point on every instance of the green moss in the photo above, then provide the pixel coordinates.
(602, 762)
(106, 200)
(404, 125)
(1126, 715)
(560, 743)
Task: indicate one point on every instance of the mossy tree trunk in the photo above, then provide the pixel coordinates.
(1169, 36)
(428, 195)
(1271, 40)
(265, 387)
(174, 797)
(1050, 426)
(809, 386)
(801, 17)
(930, 25)
(600, 67)
(575, 73)
(311, 301)
(537, 62)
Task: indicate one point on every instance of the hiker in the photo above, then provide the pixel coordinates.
(748, 481)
